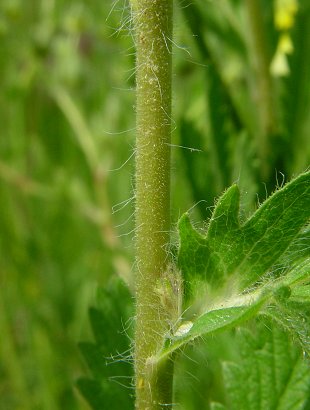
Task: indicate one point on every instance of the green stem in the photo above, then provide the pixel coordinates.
(264, 91)
(153, 34)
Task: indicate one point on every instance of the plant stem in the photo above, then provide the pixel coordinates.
(266, 105)
(153, 33)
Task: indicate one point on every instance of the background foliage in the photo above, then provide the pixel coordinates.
(241, 104)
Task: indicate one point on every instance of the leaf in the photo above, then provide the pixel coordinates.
(102, 396)
(109, 358)
(299, 273)
(298, 250)
(247, 250)
(295, 319)
(93, 393)
(270, 374)
(293, 312)
(210, 323)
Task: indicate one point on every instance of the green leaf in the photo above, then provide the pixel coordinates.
(298, 250)
(248, 250)
(94, 358)
(298, 274)
(93, 393)
(270, 374)
(103, 396)
(291, 307)
(210, 323)
(295, 319)
(109, 358)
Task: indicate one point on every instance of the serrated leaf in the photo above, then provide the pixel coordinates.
(247, 250)
(109, 359)
(231, 248)
(271, 376)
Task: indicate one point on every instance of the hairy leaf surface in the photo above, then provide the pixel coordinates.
(249, 251)
(270, 374)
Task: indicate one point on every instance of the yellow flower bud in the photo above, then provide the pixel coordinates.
(285, 11)
(279, 66)
(285, 44)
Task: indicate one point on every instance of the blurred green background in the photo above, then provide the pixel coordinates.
(241, 113)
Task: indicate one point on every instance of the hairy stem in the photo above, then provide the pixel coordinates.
(153, 34)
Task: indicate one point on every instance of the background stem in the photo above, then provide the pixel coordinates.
(264, 88)
(153, 28)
